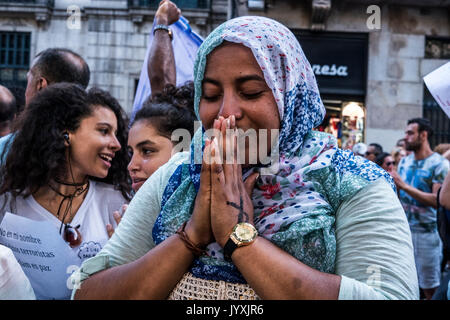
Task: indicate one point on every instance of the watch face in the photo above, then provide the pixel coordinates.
(245, 232)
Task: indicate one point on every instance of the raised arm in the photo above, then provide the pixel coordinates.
(161, 59)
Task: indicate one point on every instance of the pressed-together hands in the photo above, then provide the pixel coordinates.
(224, 198)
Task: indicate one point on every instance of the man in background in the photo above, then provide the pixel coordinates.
(373, 151)
(50, 66)
(419, 177)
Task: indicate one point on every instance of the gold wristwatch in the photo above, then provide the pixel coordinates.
(243, 234)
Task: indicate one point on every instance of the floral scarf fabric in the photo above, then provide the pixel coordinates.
(295, 207)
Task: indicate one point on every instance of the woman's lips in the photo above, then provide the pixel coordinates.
(107, 163)
(137, 183)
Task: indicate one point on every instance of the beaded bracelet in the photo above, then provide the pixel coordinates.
(188, 243)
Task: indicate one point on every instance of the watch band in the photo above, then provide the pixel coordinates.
(228, 249)
(163, 27)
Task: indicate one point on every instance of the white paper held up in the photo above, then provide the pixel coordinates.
(438, 83)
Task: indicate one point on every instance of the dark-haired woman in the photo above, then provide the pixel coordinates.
(149, 139)
(386, 161)
(67, 166)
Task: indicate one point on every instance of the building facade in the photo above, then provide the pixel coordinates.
(369, 56)
(383, 49)
(111, 35)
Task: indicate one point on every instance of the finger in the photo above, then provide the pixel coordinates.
(109, 230)
(117, 217)
(124, 208)
(217, 174)
(223, 138)
(216, 127)
(228, 154)
(237, 170)
(249, 183)
(205, 174)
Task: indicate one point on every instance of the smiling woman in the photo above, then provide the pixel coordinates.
(67, 166)
(149, 139)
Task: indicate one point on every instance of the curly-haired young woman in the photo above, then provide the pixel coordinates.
(67, 166)
(149, 139)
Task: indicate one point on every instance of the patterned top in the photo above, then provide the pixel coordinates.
(295, 206)
(421, 174)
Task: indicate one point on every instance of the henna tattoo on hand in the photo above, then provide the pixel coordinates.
(240, 207)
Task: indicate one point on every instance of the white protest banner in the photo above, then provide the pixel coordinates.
(438, 83)
(42, 253)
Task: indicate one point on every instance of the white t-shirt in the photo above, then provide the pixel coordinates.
(94, 214)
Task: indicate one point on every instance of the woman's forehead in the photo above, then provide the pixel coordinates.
(232, 55)
(101, 114)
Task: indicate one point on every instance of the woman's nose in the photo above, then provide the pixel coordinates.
(115, 144)
(134, 164)
(230, 106)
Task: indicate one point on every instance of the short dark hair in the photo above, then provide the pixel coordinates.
(380, 158)
(62, 65)
(19, 94)
(378, 148)
(424, 125)
(169, 110)
(7, 105)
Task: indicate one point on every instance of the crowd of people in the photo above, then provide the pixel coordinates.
(419, 173)
(162, 225)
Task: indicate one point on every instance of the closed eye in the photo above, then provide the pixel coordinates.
(251, 96)
(211, 98)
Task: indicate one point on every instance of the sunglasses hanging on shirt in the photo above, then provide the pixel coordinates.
(72, 235)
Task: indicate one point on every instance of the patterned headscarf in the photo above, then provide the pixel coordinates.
(295, 207)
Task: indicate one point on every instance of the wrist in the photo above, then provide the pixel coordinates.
(195, 249)
(243, 234)
(195, 235)
(161, 20)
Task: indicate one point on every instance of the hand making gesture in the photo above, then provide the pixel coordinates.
(230, 195)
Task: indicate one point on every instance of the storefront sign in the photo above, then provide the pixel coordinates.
(339, 61)
(326, 70)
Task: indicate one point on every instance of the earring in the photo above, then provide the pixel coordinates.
(66, 137)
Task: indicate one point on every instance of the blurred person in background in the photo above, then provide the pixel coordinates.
(19, 94)
(443, 149)
(373, 151)
(386, 161)
(397, 154)
(7, 110)
(359, 149)
(418, 180)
